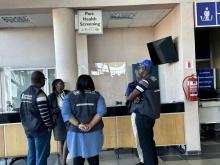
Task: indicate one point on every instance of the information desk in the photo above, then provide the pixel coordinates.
(168, 130)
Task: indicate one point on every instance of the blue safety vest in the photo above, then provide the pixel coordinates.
(84, 108)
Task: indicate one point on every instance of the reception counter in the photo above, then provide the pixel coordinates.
(168, 130)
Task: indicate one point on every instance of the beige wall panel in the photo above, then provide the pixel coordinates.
(125, 133)
(53, 145)
(2, 146)
(109, 132)
(169, 129)
(15, 140)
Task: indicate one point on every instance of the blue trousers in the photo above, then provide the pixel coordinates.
(38, 148)
(146, 138)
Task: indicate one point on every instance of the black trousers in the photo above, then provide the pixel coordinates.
(146, 138)
(92, 160)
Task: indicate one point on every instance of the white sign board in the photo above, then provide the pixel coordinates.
(90, 22)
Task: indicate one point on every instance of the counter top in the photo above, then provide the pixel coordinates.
(175, 107)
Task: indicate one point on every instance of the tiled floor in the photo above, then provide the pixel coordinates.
(210, 155)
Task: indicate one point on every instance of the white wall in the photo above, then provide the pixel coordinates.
(34, 47)
(180, 24)
(27, 47)
(170, 81)
(121, 44)
(118, 45)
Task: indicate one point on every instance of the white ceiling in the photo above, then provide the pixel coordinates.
(140, 18)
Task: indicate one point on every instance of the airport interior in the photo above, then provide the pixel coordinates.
(108, 40)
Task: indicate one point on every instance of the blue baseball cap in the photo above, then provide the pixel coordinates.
(146, 63)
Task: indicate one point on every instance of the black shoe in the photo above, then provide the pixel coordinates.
(140, 163)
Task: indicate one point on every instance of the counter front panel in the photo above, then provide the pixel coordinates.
(169, 130)
(2, 142)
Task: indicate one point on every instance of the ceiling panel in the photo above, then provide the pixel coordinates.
(111, 19)
(42, 20)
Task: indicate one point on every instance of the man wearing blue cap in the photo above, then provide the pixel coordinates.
(147, 110)
(131, 86)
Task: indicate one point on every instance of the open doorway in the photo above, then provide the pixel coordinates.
(208, 71)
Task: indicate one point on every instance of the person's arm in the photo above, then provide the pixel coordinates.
(74, 122)
(67, 114)
(130, 88)
(133, 95)
(101, 111)
(93, 122)
(43, 107)
(141, 87)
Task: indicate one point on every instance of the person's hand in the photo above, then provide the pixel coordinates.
(128, 104)
(137, 100)
(83, 127)
(89, 127)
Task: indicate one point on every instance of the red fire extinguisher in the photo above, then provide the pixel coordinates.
(191, 91)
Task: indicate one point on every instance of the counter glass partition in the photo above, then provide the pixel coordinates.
(110, 80)
(15, 81)
(1, 94)
(51, 75)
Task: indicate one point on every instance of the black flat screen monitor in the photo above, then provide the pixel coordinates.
(162, 51)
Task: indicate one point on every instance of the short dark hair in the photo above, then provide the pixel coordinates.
(85, 82)
(55, 82)
(36, 77)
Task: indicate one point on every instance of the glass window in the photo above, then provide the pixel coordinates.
(17, 80)
(1, 97)
(51, 76)
(105, 76)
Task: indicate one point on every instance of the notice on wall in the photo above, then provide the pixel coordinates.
(90, 22)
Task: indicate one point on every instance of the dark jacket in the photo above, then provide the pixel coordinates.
(29, 112)
(59, 130)
(150, 103)
(55, 110)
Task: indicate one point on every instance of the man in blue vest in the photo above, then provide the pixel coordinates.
(36, 120)
(147, 110)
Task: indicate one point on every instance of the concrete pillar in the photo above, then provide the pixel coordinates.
(82, 54)
(65, 46)
(187, 52)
